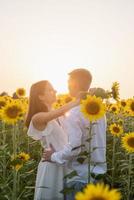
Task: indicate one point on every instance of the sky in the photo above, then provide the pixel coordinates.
(46, 39)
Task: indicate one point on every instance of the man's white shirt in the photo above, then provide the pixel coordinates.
(77, 128)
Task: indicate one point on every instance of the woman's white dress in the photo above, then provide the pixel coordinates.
(49, 180)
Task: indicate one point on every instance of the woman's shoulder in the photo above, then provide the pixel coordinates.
(38, 134)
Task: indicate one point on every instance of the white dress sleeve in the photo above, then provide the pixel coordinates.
(36, 134)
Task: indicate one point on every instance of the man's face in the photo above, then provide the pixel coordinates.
(73, 87)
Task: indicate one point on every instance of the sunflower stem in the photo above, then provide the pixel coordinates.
(89, 155)
(129, 176)
(14, 197)
(14, 141)
(113, 160)
(14, 171)
(4, 143)
(18, 182)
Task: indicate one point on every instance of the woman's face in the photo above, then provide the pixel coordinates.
(49, 95)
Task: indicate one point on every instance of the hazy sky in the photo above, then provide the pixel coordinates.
(45, 39)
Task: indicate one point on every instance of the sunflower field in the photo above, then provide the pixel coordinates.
(19, 154)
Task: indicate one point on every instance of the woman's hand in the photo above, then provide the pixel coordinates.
(81, 95)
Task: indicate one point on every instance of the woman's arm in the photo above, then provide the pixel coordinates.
(40, 119)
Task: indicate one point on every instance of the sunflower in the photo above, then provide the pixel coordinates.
(93, 108)
(59, 102)
(23, 102)
(98, 192)
(130, 107)
(65, 98)
(114, 108)
(115, 91)
(62, 99)
(128, 142)
(24, 156)
(3, 102)
(19, 158)
(123, 103)
(17, 161)
(56, 105)
(116, 129)
(18, 167)
(12, 112)
(20, 92)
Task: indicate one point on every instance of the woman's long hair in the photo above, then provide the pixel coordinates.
(35, 104)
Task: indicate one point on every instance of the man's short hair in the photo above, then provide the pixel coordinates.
(83, 77)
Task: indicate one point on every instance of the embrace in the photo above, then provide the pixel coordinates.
(63, 137)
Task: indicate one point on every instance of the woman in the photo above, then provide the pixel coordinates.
(41, 120)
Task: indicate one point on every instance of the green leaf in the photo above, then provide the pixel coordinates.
(81, 160)
(71, 175)
(67, 190)
(78, 147)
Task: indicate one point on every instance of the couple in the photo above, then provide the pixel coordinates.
(63, 134)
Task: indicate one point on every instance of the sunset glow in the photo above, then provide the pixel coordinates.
(46, 39)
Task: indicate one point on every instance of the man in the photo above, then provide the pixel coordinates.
(77, 128)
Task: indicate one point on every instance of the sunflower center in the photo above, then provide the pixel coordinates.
(131, 142)
(13, 112)
(123, 103)
(132, 106)
(22, 157)
(93, 108)
(21, 92)
(116, 129)
(113, 109)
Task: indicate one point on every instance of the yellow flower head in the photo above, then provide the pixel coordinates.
(12, 112)
(62, 99)
(20, 92)
(3, 102)
(130, 107)
(116, 129)
(24, 156)
(68, 98)
(114, 108)
(115, 91)
(93, 108)
(98, 192)
(128, 142)
(123, 103)
(17, 167)
(56, 105)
